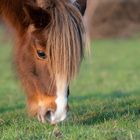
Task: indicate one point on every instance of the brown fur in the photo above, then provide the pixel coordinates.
(53, 27)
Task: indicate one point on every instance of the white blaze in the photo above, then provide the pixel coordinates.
(61, 101)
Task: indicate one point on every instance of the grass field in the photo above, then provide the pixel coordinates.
(104, 101)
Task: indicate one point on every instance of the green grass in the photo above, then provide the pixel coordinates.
(104, 101)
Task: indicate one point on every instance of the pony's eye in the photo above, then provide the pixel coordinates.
(41, 54)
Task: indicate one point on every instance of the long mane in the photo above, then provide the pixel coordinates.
(65, 39)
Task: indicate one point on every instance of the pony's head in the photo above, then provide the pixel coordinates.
(56, 40)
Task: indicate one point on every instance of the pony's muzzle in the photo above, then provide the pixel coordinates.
(56, 119)
(44, 115)
(54, 109)
(51, 116)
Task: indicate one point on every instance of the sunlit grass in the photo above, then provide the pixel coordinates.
(104, 100)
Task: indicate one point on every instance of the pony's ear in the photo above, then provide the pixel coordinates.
(81, 5)
(37, 16)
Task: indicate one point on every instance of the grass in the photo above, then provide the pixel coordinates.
(104, 101)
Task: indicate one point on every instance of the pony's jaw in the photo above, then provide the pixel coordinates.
(61, 102)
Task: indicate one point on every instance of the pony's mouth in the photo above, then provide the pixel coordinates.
(56, 118)
(51, 117)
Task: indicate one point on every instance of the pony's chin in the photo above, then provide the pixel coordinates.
(51, 118)
(56, 120)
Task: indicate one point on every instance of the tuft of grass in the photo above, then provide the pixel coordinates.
(104, 100)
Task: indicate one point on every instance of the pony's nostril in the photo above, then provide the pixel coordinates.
(44, 116)
(48, 115)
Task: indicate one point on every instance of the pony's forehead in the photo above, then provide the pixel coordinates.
(38, 34)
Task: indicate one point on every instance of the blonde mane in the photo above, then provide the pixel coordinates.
(65, 39)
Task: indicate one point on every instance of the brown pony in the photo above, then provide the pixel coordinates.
(49, 50)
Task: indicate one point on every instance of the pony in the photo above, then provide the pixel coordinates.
(50, 41)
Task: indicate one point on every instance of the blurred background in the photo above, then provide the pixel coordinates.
(113, 18)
